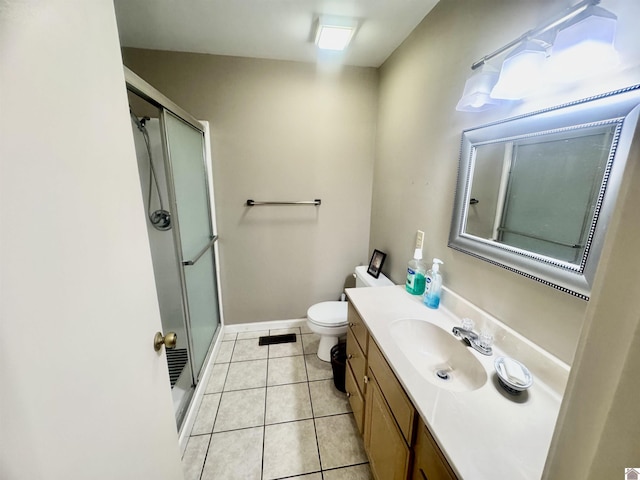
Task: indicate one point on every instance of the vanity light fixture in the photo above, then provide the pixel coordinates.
(521, 72)
(334, 33)
(477, 90)
(583, 45)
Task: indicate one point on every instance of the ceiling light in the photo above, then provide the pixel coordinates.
(585, 46)
(521, 72)
(477, 91)
(335, 33)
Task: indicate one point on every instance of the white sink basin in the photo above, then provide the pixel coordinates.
(438, 356)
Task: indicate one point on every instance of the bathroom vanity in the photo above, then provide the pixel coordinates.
(416, 425)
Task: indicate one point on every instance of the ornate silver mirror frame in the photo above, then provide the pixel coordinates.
(616, 113)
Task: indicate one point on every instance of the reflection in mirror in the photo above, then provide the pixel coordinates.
(535, 193)
(540, 194)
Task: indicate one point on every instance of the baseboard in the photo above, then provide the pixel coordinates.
(271, 325)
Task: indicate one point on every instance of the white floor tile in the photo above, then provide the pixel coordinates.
(225, 351)
(249, 350)
(244, 375)
(235, 455)
(348, 451)
(318, 369)
(240, 409)
(295, 445)
(254, 334)
(194, 455)
(310, 476)
(310, 343)
(358, 472)
(290, 449)
(286, 370)
(286, 403)
(286, 349)
(326, 399)
(217, 378)
(206, 414)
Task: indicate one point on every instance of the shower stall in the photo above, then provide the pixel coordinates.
(171, 151)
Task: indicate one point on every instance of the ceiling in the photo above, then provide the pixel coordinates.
(274, 29)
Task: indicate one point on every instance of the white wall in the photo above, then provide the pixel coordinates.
(418, 147)
(279, 131)
(83, 395)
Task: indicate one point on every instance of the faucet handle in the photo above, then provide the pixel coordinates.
(485, 339)
(468, 324)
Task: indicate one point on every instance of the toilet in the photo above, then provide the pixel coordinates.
(329, 319)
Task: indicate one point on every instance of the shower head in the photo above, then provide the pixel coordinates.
(160, 219)
(140, 122)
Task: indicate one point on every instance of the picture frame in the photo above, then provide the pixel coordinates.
(375, 265)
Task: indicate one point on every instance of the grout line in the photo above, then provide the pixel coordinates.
(215, 416)
(264, 417)
(315, 430)
(206, 454)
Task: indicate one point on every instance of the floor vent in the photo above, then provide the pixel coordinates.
(275, 339)
(177, 359)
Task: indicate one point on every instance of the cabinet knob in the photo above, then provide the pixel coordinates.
(366, 379)
(352, 324)
(350, 356)
(348, 394)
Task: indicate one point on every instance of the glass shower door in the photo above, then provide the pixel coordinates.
(186, 164)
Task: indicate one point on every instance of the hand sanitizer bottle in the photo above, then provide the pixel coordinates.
(433, 285)
(416, 269)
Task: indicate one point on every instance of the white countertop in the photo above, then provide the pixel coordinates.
(485, 433)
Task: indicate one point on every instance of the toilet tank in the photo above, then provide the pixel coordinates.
(363, 279)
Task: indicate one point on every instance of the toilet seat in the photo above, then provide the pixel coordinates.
(328, 314)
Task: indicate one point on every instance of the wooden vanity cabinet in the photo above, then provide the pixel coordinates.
(389, 454)
(429, 462)
(398, 443)
(355, 379)
(356, 371)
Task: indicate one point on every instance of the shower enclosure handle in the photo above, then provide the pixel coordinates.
(201, 252)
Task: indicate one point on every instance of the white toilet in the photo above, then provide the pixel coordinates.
(329, 319)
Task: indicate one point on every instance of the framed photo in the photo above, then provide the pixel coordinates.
(375, 265)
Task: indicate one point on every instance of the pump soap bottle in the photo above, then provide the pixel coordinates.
(433, 287)
(416, 269)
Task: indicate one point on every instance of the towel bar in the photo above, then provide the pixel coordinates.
(253, 203)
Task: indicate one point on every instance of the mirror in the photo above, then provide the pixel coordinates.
(535, 192)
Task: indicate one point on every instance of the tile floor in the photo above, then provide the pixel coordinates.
(272, 412)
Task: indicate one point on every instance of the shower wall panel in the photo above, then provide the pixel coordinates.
(162, 246)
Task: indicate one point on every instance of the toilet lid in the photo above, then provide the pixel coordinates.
(328, 314)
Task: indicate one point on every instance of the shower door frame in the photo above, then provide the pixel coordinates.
(140, 87)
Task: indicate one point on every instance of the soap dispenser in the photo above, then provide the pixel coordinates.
(433, 285)
(416, 269)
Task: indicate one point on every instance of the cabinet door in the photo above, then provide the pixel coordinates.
(395, 396)
(356, 400)
(429, 462)
(358, 328)
(357, 361)
(385, 445)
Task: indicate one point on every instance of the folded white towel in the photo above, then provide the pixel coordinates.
(515, 372)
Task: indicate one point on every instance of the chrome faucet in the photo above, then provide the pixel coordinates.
(472, 339)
